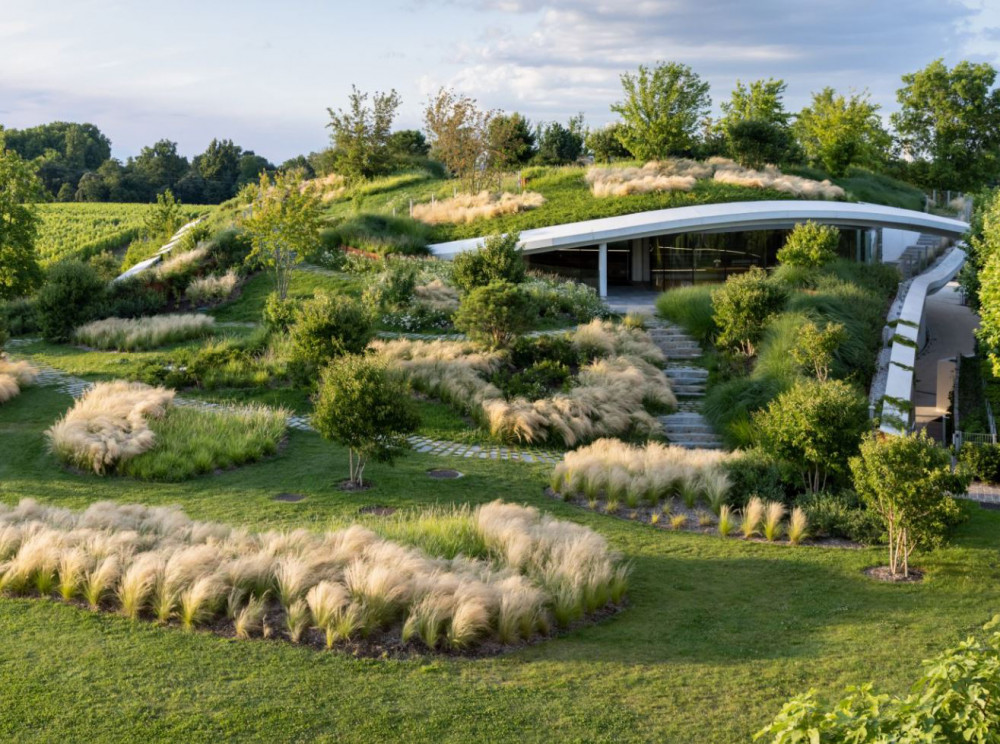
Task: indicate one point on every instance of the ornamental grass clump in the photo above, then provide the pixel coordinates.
(523, 571)
(212, 288)
(139, 334)
(798, 526)
(653, 472)
(774, 512)
(13, 377)
(753, 515)
(463, 208)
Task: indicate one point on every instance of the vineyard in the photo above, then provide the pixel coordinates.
(81, 230)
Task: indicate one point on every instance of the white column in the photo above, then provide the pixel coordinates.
(602, 270)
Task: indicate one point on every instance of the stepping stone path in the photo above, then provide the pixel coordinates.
(76, 386)
(687, 427)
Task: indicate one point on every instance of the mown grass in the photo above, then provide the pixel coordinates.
(718, 634)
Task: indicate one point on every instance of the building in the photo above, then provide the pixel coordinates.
(706, 243)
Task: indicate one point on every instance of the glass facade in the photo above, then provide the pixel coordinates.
(684, 258)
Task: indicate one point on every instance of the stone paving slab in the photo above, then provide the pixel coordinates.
(984, 493)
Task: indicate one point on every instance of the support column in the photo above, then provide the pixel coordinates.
(602, 270)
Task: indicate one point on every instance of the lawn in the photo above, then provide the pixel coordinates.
(717, 635)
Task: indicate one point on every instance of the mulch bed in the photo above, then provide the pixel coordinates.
(352, 487)
(882, 573)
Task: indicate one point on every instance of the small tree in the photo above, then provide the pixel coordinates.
(557, 144)
(605, 143)
(810, 245)
(367, 409)
(759, 101)
(838, 131)
(328, 326)
(361, 134)
(907, 480)
(741, 308)
(662, 108)
(495, 314)
(283, 224)
(498, 260)
(459, 135)
(164, 218)
(814, 347)
(814, 427)
(19, 190)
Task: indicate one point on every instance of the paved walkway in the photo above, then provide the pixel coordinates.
(984, 493)
(950, 326)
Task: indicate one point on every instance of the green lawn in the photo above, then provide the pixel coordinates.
(717, 634)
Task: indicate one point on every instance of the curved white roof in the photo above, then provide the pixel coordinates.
(753, 215)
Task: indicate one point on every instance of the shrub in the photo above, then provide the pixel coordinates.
(20, 316)
(394, 287)
(495, 314)
(498, 259)
(555, 297)
(328, 326)
(956, 699)
(155, 562)
(363, 407)
(754, 471)
(131, 298)
(279, 313)
(741, 308)
(4, 336)
(983, 460)
(212, 288)
(810, 245)
(730, 406)
(139, 334)
(841, 514)
(691, 309)
(381, 234)
(814, 427)
(228, 249)
(71, 294)
(814, 348)
(755, 143)
(908, 481)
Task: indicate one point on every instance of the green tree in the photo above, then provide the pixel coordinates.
(814, 427)
(329, 326)
(19, 190)
(814, 347)
(558, 145)
(495, 314)
(164, 219)
(361, 405)
(982, 241)
(661, 110)
(219, 168)
(360, 134)
(160, 166)
(760, 101)
(283, 225)
(838, 131)
(605, 143)
(70, 297)
(950, 119)
(908, 481)
(810, 245)
(498, 259)
(741, 308)
(511, 140)
(459, 133)
(754, 144)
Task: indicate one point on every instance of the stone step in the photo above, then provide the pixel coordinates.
(699, 445)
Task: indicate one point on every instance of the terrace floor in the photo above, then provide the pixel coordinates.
(632, 300)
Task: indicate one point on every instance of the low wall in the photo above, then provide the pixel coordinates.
(897, 407)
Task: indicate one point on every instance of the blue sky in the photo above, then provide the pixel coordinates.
(264, 72)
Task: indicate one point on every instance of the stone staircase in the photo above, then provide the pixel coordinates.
(686, 427)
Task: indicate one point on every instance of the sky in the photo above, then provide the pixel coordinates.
(264, 72)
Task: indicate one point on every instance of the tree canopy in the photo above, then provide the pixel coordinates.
(19, 189)
(838, 131)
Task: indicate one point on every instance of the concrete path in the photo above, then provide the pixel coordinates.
(950, 326)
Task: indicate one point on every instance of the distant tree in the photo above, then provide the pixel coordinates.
(160, 166)
(951, 120)
(908, 481)
(19, 190)
(363, 406)
(219, 166)
(360, 134)
(662, 108)
(755, 143)
(510, 140)
(408, 143)
(251, 166)
(66, 193)
(283, 225)
(60, 152)
(759, 101)
(605, 143)
(458, 132)
(558, 145)
(741, 308)
(838, 131)
(810, 245)
(814, 427)
(300, 163)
